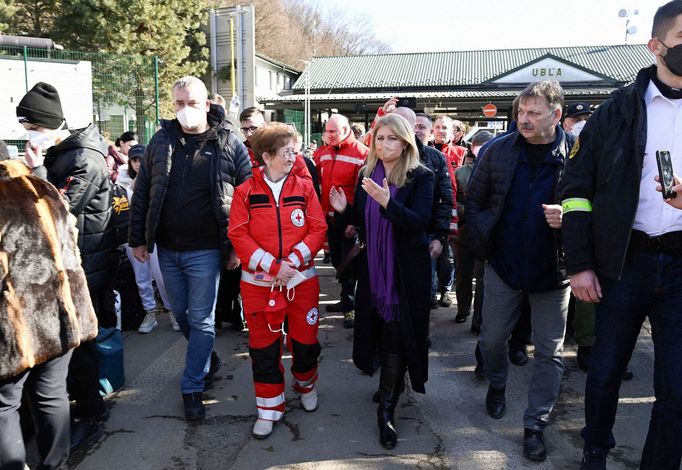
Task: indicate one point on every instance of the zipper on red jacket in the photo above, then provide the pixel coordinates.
(279, 217)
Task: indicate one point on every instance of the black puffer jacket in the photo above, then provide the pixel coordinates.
(439, 227)
(489, 189)
(228, 171)
(605, 168)
(77, 167)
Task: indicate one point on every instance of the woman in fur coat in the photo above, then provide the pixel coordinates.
(45, 312)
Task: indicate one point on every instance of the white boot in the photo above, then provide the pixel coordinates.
(149, 322)
(309, 400)
(262, 428)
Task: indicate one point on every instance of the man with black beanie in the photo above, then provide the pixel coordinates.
(74, 161)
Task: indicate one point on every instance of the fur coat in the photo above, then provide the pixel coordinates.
(45, 307)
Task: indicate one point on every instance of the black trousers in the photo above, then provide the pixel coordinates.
(339, 246)
(468, 268)
(46, 386)
(83, 381)
(102, 294)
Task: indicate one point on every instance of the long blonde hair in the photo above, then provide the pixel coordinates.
(409, 160)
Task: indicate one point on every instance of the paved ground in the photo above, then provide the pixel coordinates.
(446, 428)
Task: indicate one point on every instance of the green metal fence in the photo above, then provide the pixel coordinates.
(121, 90)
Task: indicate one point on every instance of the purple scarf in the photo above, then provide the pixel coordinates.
(381, 254)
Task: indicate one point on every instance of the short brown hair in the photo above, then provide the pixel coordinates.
(248, 113)
(665, 18)
(270, 138)
(549, 90)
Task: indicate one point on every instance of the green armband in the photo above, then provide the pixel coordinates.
(576, 204)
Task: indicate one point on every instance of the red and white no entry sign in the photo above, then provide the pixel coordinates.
(489, 110)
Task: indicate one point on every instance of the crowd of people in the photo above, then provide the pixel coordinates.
(559, 220)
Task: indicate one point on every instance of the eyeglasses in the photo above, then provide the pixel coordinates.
(290, 153)
(249, 129)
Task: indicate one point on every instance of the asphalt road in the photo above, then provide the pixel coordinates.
(446, 428)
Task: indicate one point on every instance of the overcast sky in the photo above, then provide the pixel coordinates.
(448, 25)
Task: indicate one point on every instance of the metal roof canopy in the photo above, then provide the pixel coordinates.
(462, 82)
(457, 69)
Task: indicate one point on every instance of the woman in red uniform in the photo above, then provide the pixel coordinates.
(276, 227)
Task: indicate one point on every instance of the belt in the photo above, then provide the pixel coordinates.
(669, 243)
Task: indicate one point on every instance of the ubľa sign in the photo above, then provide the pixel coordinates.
(548, 69)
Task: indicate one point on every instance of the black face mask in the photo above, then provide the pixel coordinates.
(673, 59)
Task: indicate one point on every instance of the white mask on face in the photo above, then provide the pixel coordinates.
(44, 140)
(191, 118)
(41, 139)
(577, 128)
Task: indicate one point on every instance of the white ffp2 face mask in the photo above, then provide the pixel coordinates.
(191, 118)
(40, 139)
(577, 128)
(44, 140)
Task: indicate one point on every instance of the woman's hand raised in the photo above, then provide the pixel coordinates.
(337, 198)
(380, 194)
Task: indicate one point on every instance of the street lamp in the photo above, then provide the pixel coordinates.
(306, 104)
(629, 30)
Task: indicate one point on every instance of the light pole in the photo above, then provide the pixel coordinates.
(306, 104)
(629, 30)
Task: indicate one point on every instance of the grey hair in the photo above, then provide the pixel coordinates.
(191, 82)
(549, 90)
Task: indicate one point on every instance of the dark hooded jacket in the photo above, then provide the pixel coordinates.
(77, 167)
(229, 167)
(434, 160)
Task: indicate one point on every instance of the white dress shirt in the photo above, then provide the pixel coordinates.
(664, 132)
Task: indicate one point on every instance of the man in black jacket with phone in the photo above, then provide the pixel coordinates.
(623, 245)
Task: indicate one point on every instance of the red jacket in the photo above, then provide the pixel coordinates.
(339, 167)
(264, 232)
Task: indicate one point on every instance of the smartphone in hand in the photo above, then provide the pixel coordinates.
(665, 173)
(407, 103)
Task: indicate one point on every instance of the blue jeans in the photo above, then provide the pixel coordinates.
(445, 269)
(651, 284)
(191, 279)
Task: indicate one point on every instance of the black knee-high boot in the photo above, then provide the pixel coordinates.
(391, 384)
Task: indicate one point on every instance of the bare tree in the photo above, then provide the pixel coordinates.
(295, 30)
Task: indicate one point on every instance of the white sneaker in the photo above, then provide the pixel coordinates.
(149, 322)
(174, 322)
(262, 428)
(309, 400)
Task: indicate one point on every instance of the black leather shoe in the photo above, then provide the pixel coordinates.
(461, 317)
(434, 303)
(495, 403)
(519, 357)
(534, 445)
(216, 364)
(593, 459)
(388, 437)
(194, 408)
(583, 357)
(84, 432)
(334, 308)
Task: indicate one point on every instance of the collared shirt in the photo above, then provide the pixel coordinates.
(664, 132)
